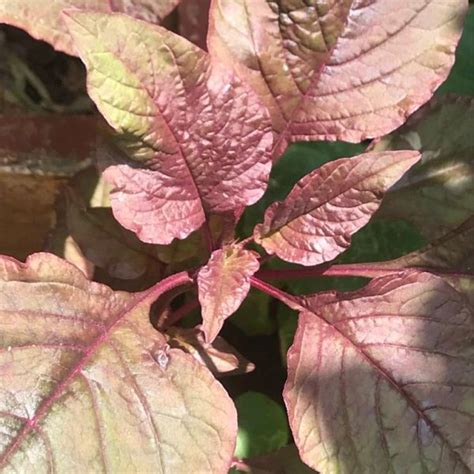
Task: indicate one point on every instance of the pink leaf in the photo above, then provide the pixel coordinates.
(315, 222)
(223, 285)
(42, 19)
(199, 137)
(382, 380)
(339, 70)
(86, 382)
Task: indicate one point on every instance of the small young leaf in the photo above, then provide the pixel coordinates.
(86, 380)
(381, 380)
(200, 139)
(43, 21)
(437, 194)
(315, 222)
(223, 285)
(346, 70)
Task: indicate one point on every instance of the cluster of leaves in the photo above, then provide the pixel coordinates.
(379, 379)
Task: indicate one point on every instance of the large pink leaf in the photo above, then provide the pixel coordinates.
(87, 384)
(200, 138)
(315, 222)
(382, 380)
(339, 69)
(224, 284)
(42, 19)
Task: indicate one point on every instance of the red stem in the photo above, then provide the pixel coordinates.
(173, 281)
(241, 465)
(365, 270)
(181, 312)
(280, 295)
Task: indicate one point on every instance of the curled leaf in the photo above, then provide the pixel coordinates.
(315, 222)
(381, 380)
(223, 285)
(338, 70)
(198, 137)
(86, 382)
(219, 357)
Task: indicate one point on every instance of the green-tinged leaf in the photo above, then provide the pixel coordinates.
(437, 194)
(194, 139)
(86, 383)
(381, 380)
(461, 79)
(262, 425)
(43, 21)
(223, 284)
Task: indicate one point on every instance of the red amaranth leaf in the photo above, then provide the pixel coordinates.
(199, 137)
(346, 70)
(315, 222)
(43, 21)
(223, 285)
(381, 380)
(86, 381)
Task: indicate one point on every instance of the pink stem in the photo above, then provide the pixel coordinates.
(182, 312)
(280, 295)
(368, 270)
(241, 465)
(173, 281)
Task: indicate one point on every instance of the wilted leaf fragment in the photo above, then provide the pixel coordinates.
(346, 70)
(223, 285)
(87, 383)
(315, 222)
(219, 357)
(43, 21)
(382, 380)
(200, 139)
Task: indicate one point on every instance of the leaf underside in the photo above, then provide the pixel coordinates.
(86, 381)
(382, 380)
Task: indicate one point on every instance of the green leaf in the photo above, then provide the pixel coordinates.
(263, 426)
